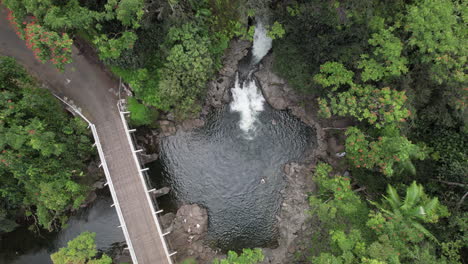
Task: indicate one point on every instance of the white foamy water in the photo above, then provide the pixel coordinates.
(248, 101)
(261, 44)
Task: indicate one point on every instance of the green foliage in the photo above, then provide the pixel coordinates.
(386, 153)
(56, 19)
(386, 59)
(140, 114)
(113, 48)
(226, 19)
(276, 31)
(80, 250)
(414, 209)
(438, 31)
(248, 256)
(316, 33)
(343, 206)
(48, 46)
(448, 161)
(380, 107)
(42, 150)
(187, 68)
(189, 261)
(54, 16)
(129, 12)
(392, 234)
(334, 75)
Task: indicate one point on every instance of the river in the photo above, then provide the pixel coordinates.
(25, 247)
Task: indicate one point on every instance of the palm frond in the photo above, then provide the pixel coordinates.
(432, 205)
(423, 230)
(413, 194)
(393, 198)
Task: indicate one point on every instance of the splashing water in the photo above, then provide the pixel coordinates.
(247, 99)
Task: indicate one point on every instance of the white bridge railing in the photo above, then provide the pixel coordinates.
(141, 170)
(97, 143)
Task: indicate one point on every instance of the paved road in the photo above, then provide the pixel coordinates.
(95, 92)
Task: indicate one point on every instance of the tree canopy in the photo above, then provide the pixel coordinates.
(43, 150)
(80, 250)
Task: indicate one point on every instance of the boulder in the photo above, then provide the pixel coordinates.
(167, 128)
(190, 124)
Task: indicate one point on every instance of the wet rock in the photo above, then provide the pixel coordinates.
(166, 220)
(188, 230)
(99, 184)
(275, 90)
(191, 223)
(170, 116)
(192, 124)
(89, 199)
(334, 146)
(148, 158)
(218, 89)
(167, 128)
(218, 92)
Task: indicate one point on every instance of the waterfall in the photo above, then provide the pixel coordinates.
(247, 98)
(248, 101)
(261, 44)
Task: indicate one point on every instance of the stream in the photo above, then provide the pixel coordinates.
(25, 247)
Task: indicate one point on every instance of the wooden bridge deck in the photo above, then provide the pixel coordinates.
(96, 93)
(131, 193)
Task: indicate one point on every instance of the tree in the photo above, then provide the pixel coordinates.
(248, 256)
(414, 209)
(112, 48)
(275, 31)
(42, 150)
(188, 66)
(80, 250)
(386, 152)
(55, 16)
(438, 32)
(352, 233)
(53, 21)
(386, 59)
(48, 45)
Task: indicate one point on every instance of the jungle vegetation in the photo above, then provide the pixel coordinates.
(43, 153)
(396, 68)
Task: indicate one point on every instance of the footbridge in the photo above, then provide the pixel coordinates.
(87, 85)
(128, 183)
